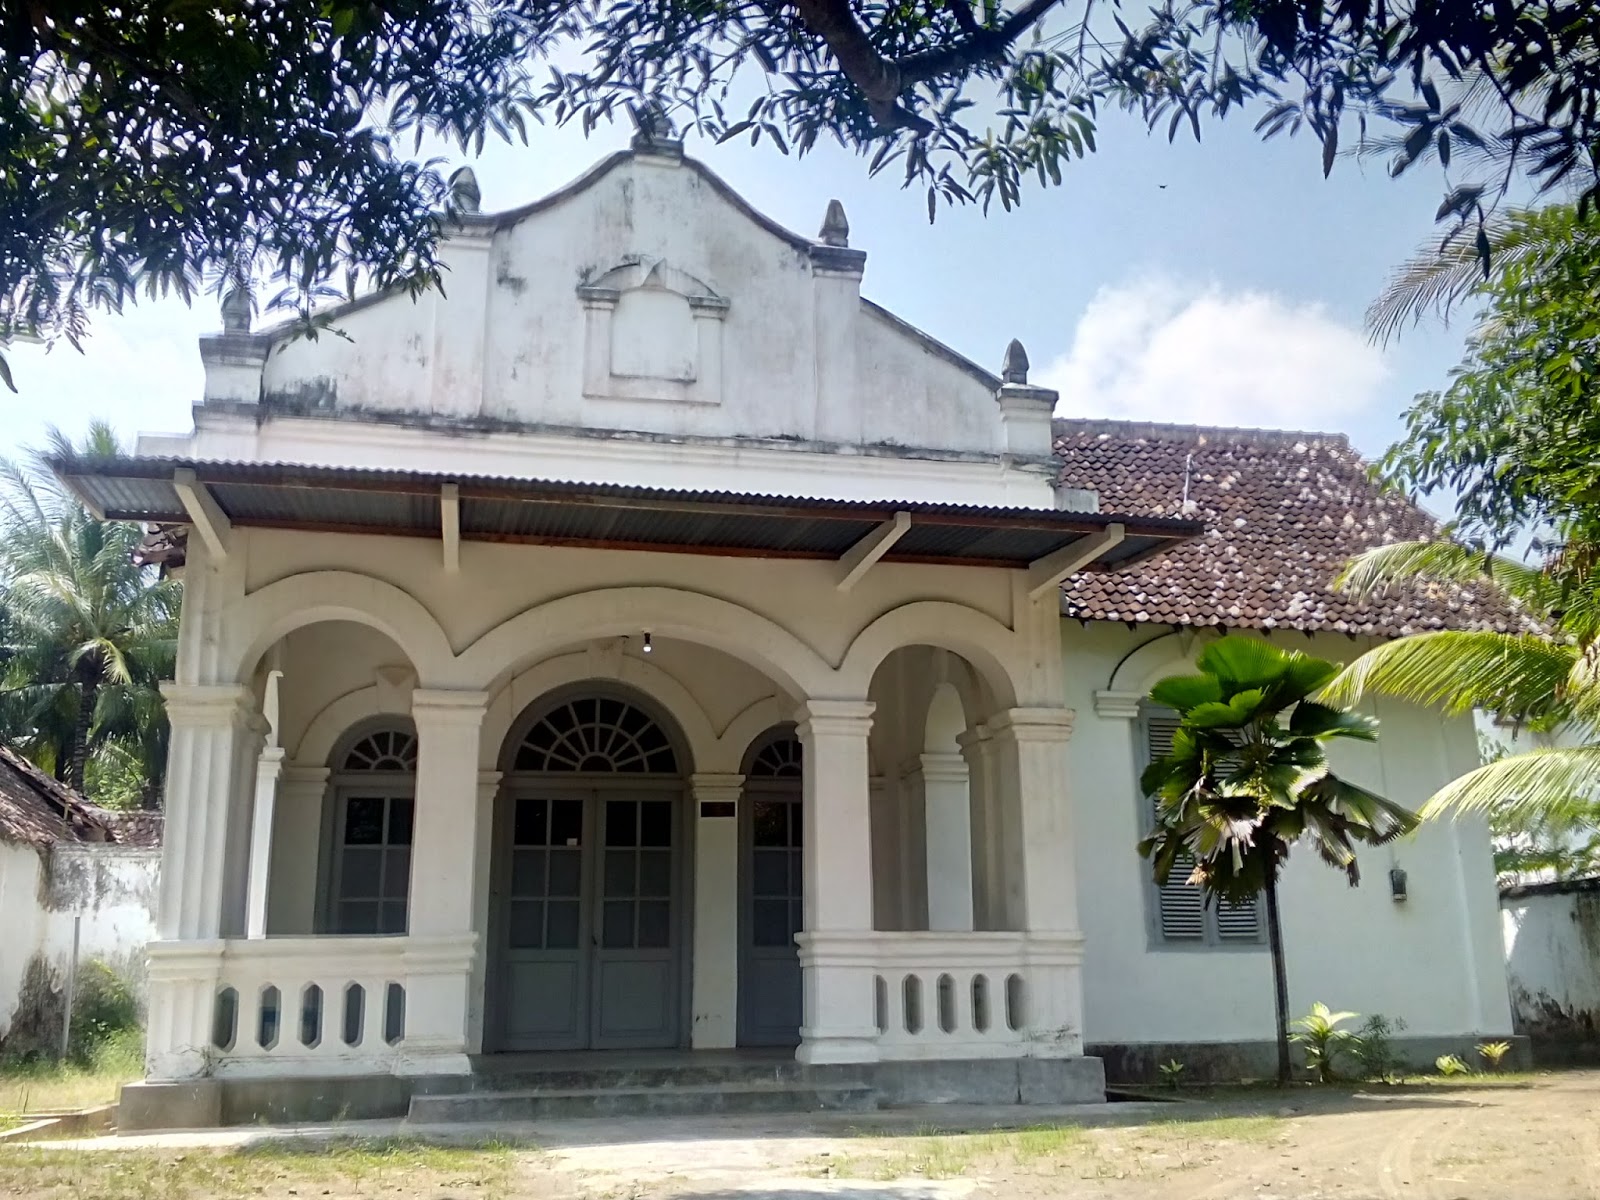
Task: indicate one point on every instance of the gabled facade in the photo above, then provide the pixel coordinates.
(650, 644)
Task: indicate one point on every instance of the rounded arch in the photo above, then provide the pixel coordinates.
(533, 714)
(316, 744)
(666, 612)
(749, 725)
(986, 644)
(773, 755)
(1150, 662)
(385, 743)
(568, 671)
(279, 608)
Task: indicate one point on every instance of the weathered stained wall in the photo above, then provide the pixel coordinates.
(111, 887)
(1433, 960)
(1552, 943)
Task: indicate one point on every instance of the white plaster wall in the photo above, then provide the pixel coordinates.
(21, 919)
(112, 888)
(1434, 960)
(507, 341)
(1552, 947)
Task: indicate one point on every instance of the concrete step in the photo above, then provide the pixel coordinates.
(538, 1078)
(673, 1099)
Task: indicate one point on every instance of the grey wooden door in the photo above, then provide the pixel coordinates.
(591, 924)
(772, 843)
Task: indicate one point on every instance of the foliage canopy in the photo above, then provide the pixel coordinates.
(172, 145)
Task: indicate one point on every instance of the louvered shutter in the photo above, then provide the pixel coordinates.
(1180, 908)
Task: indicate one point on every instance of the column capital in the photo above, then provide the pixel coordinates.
(839, 718)
(296, 775)
(944, 768)
(1033, 724)
(489, 780)
(1120, 706)
(448, 706)
(207, 704)
(716, 786)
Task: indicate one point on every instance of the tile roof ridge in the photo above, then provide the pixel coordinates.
(1172, 431)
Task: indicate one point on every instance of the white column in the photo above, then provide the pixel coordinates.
(213, 739)
(837, 947)
(1032, 748)
(988, 901)
(268, 769)
(947, 813)
(297, 831)
(715, 988)
(441, 944)
(483, 865)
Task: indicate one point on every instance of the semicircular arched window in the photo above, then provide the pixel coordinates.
(779, 758)
(597, 734)
(383, 750)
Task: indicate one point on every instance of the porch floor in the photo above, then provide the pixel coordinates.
(537, 1061)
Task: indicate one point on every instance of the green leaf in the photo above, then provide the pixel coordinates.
(1183, 692)
(1313, 720)
(1241, 662)
(5, 373)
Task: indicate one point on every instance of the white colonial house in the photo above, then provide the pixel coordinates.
(654, 647)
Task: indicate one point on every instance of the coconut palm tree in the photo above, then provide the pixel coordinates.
(85, 635)
(1540, 680)
(1439, 279)
(1247, 779)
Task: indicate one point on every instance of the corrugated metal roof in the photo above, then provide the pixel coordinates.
(549, 512)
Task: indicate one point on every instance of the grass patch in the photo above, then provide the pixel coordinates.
(45, 1086)
(344, 1168)
(952, 1155)
(1217, 1129)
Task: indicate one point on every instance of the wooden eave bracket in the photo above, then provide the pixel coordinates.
(1048, 572)
(450, 525)
(858, 560)
(204, 513)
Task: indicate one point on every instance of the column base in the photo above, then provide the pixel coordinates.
(433, 1062)
(818, 1047)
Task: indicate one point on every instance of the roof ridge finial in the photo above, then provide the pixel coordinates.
(835, 229)
(465, 196)
(237, 308)
(655, 133)
(1015, 368)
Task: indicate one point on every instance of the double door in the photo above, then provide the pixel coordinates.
(589, 935)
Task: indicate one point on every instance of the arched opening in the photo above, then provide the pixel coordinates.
(935, 826)
(371, 799)
(771, 889)
(588, 931)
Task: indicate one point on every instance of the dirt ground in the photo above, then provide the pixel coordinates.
(1531, 1138)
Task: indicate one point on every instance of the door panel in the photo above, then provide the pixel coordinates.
(635, 947)
(590, 920)
(546, 960)
(772, 912)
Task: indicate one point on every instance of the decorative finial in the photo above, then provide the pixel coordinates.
(655, 130)
(835, 227)
(236, 306)
(1015, 369)
(465, 196)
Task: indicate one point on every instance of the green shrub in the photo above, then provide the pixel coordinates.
(1373, 1048)
(1318, 1031)
(105, 1015)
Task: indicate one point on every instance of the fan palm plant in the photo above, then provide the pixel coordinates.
(1247, 779)
(86, 634)
(1540, 680)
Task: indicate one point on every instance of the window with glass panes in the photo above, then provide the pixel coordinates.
(372, 861)
(1182, 916)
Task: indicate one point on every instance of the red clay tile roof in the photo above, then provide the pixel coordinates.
(37, 811)
(1283, 513)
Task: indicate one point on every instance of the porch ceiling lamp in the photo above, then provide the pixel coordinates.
(1397, 884)
(648, 648)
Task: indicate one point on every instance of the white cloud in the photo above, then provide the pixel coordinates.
(1162, 350)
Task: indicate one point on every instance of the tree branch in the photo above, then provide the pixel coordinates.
(883, 81)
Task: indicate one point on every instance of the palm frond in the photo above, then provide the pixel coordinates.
(1446, 562)
(1528, 787)
(1460, 670)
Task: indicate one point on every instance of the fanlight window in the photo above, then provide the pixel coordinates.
(385, 750)
(597, 734)
(778, 759)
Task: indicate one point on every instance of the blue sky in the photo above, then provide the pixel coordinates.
(1218, 283)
